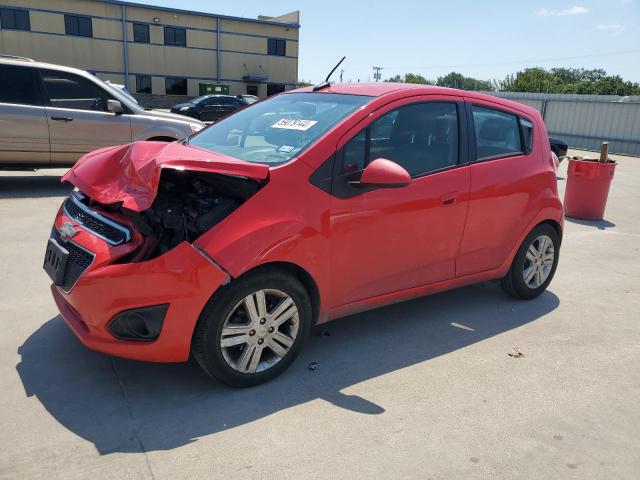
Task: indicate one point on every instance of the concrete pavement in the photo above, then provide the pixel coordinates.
(423, 389)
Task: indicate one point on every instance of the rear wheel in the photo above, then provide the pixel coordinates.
(534, 265)
(253, 329)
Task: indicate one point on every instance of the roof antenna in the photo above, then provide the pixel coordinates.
(326, 83)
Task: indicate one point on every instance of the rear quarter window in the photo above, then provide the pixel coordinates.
(526, 126)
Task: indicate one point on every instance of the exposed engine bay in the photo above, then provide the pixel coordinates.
(187, 204)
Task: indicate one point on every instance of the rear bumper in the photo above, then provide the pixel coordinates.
(182, 278)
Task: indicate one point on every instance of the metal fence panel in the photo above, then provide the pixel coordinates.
(584, 121)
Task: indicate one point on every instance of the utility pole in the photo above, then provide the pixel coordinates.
(376, 73)
(341, 72)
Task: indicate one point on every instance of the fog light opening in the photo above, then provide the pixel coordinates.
(142, 324)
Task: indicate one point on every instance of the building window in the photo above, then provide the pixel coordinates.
(252, 90)
(78, 26)
(14, 19)
(175, 36)
(276, 46)
(143, 84)
(273, 88)
(140, 33)
(175, 86)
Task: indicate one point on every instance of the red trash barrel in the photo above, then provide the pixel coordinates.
(587, 189)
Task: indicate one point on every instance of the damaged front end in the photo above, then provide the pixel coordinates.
(187, 205)
(127, 278)
(165, 195)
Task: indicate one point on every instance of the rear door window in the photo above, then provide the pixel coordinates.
(67, 90)
(497, 133)
(18, 85)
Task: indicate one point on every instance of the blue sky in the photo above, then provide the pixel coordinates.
(483, 39)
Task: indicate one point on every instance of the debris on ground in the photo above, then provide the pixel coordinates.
(516, 353)
(313, 366)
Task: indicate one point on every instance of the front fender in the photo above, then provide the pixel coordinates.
(275, 225)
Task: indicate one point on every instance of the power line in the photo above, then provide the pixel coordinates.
(427, 67)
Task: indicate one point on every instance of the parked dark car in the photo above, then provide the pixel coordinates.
(248, 98)
(559, 147)
(209, 107)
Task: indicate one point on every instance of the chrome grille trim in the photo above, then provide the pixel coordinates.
(99, 217)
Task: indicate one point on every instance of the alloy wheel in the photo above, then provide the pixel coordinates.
(538, 261)
(259, 331)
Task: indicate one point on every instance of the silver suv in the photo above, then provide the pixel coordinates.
(51, 115)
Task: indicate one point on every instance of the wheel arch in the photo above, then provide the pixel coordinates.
(301, 274)
(556, 226)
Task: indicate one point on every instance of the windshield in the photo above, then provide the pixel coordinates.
(121, 89)
(277, 129)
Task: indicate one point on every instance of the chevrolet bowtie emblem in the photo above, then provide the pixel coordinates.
(67, 231)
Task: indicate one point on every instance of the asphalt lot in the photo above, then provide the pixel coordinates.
(423, 389)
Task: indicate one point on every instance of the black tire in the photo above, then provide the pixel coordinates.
(206, 347)
(514, 283)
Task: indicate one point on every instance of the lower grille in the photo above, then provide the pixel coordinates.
(79, 260)
(96, 223)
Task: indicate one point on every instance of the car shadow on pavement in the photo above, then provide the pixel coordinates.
(127, 406)
(32, 186)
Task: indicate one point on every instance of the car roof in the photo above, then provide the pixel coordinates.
(379, 89)
(28, 62)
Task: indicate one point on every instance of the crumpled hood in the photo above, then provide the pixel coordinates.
(130, 173)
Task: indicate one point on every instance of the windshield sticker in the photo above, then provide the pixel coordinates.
(286, 149)
(294, 124)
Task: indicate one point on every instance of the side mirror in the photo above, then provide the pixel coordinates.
(384, 173)
(114, 106)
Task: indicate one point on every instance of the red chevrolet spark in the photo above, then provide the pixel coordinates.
(311, 205)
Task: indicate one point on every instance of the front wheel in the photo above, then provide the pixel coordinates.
(253, 329)
(534, 265)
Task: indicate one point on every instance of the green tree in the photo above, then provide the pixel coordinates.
(303, 83)
(457, 80)
(567, 80)
(395, 79)
(415, 78)
(410, 78)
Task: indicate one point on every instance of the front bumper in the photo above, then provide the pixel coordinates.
(183, 278)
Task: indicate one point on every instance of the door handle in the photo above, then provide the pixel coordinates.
(449, 198)
(62, 119)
